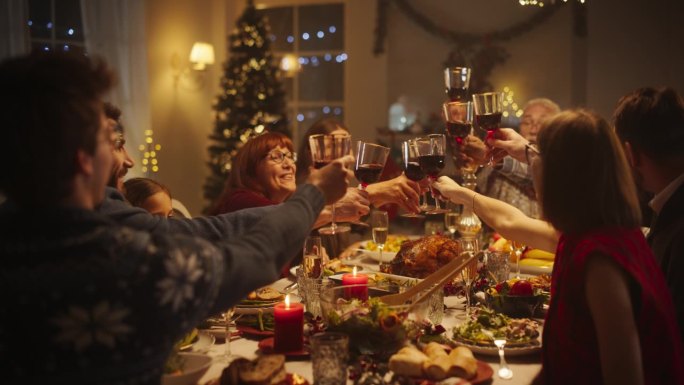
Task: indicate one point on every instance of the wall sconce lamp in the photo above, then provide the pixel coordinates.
(290, 65)
(201, 56)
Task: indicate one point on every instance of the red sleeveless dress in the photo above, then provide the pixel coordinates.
(571, 351)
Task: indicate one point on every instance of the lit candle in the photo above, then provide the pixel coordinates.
(289, 326)
(360, 292)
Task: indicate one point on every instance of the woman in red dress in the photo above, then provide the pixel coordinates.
(611, 318)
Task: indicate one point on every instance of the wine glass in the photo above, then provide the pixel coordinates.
(313, 258)
(370, 160)
(412, 170)
(518, 249)
(457, 81)
(380, 224)
(488, 110)
(229, 318)
(469, 247)
(431, 160)
(324, 149)
(451, 221)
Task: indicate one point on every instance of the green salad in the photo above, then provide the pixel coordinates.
(487, 325)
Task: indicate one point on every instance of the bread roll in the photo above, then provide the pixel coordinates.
(463, 363)
(408, 362)
(438, 364)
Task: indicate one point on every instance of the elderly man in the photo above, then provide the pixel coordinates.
(650, 123)
(105, 303)
(510, 180)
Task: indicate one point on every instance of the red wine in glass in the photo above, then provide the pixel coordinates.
(489, 122)
(458, 130)
(368, 173)
(414, 172)
(318, 165)
(432, 165)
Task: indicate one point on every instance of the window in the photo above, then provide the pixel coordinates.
(55, 25)
(314, 34)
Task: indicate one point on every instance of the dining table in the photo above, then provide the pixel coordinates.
(524, 367)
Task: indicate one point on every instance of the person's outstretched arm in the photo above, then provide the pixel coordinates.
(211, 228)
(505, 219)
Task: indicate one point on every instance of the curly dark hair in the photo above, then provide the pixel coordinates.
(50, 106)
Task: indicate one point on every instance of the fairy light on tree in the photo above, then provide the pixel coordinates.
(149, 150)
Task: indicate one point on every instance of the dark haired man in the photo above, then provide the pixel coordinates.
(122, 161)
(87, 301)
(650, 123)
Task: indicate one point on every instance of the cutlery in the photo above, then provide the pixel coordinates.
(432, 282)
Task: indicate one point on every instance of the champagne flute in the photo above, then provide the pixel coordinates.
(451, 221)
(457, 81)
(412, 170)
(518, 249)
(313, 258)
(380, 224)
(488, 110)
(469, 247)
(325, 149)
(431, 160)
(370, 160)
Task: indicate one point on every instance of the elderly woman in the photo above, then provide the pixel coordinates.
(400, 190)
(263, 174)
(611, 309)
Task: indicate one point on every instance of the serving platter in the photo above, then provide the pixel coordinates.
(517, 350)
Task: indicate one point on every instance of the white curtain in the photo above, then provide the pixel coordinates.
(13, 29)
(115, 30)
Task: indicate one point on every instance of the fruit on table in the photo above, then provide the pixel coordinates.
(522, 287)
(501, 244)
(536, 262)
(538, 254)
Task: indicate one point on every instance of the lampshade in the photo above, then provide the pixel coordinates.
(201, 54)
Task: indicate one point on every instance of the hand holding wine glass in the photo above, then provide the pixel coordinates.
(412, 170)
(380, 224)
(431, 161)
(325, 149)
(488, 111)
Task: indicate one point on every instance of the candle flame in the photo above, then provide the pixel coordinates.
(287, 301)
(354, 271)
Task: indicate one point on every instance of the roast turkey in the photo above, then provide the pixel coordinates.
(422, 257)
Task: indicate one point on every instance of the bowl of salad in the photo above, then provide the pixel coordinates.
(374, 328)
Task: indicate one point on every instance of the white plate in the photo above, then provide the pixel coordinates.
(204, 342)
(494, 351)
(534, 270)
(387, 256)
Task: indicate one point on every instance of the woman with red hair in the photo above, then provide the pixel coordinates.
(263, 173)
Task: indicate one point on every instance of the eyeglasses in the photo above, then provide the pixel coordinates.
(118, 140)
(279, 156)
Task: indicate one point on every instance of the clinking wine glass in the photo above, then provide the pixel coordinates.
(457, 81)
(325, 149)
(488, 110)
(370, 160)
(412, 170)
(380, 224)
(431, 160)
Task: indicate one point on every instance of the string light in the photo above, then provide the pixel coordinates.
(150, 163)
(511, 108)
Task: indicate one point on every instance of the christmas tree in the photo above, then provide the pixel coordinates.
(252, 99)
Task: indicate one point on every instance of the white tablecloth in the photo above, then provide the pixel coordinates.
(525, 368)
